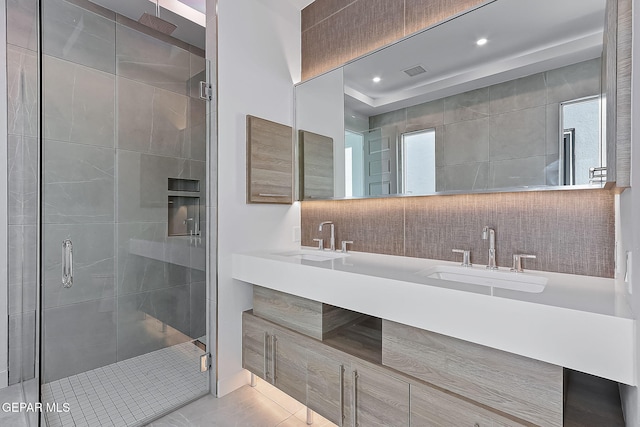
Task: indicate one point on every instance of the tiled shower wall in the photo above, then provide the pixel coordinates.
(22, 106)
(570, 231)
(121, 115)
(504, 135)
(337, 31)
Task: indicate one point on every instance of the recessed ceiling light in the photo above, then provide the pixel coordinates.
(376, 79)
(481, 42)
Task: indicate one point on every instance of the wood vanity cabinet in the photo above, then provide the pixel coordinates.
(328, 391)
(378, 397)
(275, 355)
(269, 162)
(433, 407)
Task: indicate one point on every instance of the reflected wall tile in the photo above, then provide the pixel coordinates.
(526, 92)
(426, 115)
(22, 24)
(197, 130)
(137, 273)
(198, 309)
(151, 120)
(466, 176)
(552, 170)
(79, 337)
(22, 179)
(22, 91)
(518, 134)
(146, 59)
(553, 129)
(153, 320)
(78, 183)
(393, 118)
(79, 103)
(93, 263)
(518, 172)
(469, 105)
(22, 254)
(197, 73)
(78, 35)
(142, 185)
(22, 339)
(466, 142)
(573, 81)
(22, 297)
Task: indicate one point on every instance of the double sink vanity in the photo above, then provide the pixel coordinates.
(369, 339)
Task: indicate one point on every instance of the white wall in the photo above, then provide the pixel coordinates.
(4, 220)
(258, 63)
(630, 220)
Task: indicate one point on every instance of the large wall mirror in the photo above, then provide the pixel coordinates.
(505, 97)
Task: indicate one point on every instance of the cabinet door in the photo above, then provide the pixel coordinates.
(255, 346)
(289, 365)
(269, 162)
(327, 387)
(379, 399)
(432, 407)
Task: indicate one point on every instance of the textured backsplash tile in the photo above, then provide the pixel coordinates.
(568, 231)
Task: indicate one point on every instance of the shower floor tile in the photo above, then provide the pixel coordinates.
(128, 392)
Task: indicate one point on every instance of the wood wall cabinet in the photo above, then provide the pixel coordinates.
(269, 162)
(315, 162)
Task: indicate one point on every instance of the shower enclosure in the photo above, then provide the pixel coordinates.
(110, 152)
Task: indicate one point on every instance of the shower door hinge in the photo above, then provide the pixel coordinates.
(205, 362)
(206, 91)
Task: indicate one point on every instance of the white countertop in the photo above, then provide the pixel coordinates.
(579, 322)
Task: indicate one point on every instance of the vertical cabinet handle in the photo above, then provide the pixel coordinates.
(274, 341)
(265, 354)
(354, 398)
(341, 376)
(67, 263)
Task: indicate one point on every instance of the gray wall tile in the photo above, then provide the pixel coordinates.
(392, 118)
(426, 115)
(518, 134)
(198, 309)
(553, 129)
(466, 176)
(79, 337)
(22, 179)
(22, 250)
(467, 106)
(21, 23)
(526, 92)
(146, 59)
(141, 317)
(573, 81)
(77, 35)
(139, 274)
(93, 263)
(151, 120)
(466, 142)
(197, 73)
(518, 172)
(22, 91)
(78, 183)
(197, 129)
(142, 185)
(79, 103)
(22, 338)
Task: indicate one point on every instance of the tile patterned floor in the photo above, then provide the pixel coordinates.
(260, 406)
(128, 392)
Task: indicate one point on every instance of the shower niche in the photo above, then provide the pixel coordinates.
(183, 207)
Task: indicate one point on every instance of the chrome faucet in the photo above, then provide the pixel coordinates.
(490, 233)
(333, 233)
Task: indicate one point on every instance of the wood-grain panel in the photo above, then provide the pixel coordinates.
(254, 347)
(311, 318)
(380, 398)
(320, 10)
(420, 14)
(623, 99)
(523, 387)
(316, 166)
(432, 407)
(269, 162)
(290, 363)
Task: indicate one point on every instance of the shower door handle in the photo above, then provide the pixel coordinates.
(67, 263)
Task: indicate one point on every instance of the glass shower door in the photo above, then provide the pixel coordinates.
(123, 213)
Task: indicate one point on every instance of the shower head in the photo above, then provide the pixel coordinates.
(157, 24)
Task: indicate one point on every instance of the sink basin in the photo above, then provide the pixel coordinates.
(313, 255)
(491, 278)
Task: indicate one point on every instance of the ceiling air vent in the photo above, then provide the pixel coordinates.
(414, 71)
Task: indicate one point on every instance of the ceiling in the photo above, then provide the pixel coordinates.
(524, 37)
